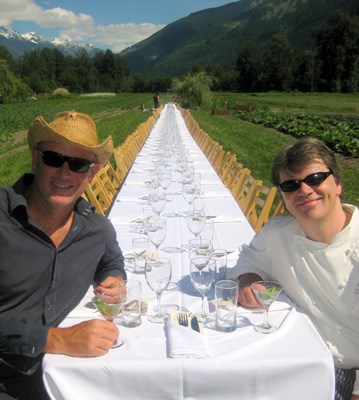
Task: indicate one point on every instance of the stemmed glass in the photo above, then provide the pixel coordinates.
(187, 174)
(196, 222)
(156, 229)
(199, 247)
(165, 179)
(266, 292)
(202, 273)
(158, 201)
(158, 274)
(189, 193)
(109, 311)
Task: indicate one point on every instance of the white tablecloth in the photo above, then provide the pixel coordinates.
(292, 362)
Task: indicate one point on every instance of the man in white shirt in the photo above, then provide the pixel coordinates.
(313, 253)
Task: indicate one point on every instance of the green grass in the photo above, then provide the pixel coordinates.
(254, 145)
(257, 146)
(119, 125)
(327, 103)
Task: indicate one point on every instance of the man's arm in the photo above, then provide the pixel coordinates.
(87, 339)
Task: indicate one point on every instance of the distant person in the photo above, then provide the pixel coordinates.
(313, 252)
(53, 246)
(156, 100)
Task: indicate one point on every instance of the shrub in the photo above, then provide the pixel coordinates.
(61, 92)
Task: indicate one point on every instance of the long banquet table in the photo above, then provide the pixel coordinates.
(292, 362)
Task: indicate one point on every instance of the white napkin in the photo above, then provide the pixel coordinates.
(228, 218)
(209, 195)
(183, 342)
(135, 183)
(130, 198)
(210, 182)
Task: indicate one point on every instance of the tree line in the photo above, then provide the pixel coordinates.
(331, 65)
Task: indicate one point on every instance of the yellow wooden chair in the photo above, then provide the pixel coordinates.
(235, 168)
(280, 209)
(98, 196)
(247, 192)
(106, 183)
(228, 160)
(238, 179)
(259, 210)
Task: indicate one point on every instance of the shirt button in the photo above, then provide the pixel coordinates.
(49, 306)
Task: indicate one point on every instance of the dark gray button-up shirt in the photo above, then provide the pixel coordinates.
(39, 283)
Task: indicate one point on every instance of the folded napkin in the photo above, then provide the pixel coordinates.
(135, 183)
(130, 198)
(183, 342)
(210, 182)
(209, 195)
(228, 218)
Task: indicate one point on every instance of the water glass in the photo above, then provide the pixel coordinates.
(140, 247)
(131, 308)
(220, 256)
(226, 294)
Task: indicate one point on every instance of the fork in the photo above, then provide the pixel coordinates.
(182, 319)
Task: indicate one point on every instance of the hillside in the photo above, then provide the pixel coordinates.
(215, 35)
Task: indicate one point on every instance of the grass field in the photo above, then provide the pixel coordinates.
(254, 145)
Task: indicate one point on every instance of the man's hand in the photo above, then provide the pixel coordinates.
(87, 339)
(113, 288)
(246, 297)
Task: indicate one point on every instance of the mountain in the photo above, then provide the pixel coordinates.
(214, 36)
(17, 44)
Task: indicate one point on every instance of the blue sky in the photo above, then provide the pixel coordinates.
(108, 24)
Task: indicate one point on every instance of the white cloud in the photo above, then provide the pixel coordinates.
(80, 27)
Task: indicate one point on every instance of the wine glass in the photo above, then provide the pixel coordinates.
(196, 222)
(187, 174)
(189, 192)
(109, 310)
(199, 247)
(165, 179)
(266, 292)
(202, 273)
(158, 201)
(158, 274)
(156, 229)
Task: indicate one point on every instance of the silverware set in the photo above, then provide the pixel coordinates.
(183, 320)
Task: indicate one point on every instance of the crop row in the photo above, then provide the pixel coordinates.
(15, 117)
(340, 133)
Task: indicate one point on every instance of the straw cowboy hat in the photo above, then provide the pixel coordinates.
(73, 128)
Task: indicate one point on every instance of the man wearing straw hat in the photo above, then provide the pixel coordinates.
(53, 246)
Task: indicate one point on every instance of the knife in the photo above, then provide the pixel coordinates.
(194, 324)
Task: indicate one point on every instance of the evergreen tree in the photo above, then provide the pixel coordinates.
(278, 64)
(249, 65)
(338, 53)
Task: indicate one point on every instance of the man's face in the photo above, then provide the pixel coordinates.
(61, 187)
(312, 202)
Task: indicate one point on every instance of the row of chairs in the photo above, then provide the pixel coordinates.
(256, 200)
(107, 182)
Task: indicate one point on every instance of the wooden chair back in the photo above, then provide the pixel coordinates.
(259, 210)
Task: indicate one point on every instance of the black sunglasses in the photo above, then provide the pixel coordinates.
(57, 160)
(312, 180)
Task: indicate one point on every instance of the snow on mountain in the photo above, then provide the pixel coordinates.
(18, 43)
(33, 37)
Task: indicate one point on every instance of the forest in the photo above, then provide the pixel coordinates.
(331, 65)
